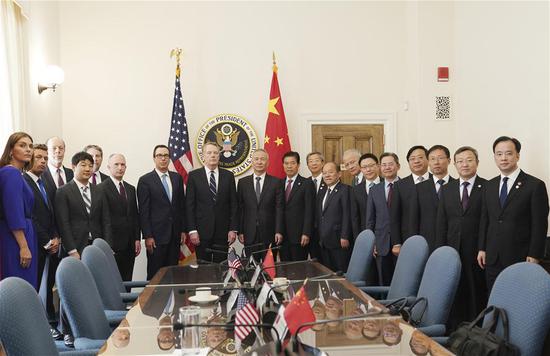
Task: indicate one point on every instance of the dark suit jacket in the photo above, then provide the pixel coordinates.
(160, 218)
(43, 217)
(400, 211)
(517, 230)
(264, 218)
(456, 227)
(298, 210)
(334, 221)
(423, 216)
(47, 177)
(359, 209)
(124, 215)
(74, 222)
(378, 218)
(320, 183)
(213, 220)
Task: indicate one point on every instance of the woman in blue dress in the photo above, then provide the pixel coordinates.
(18, 244)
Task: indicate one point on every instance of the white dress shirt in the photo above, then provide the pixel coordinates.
(437, 186)
(317, 181)
(53, 172)
(426, 176)
(387, 185)
(117, 182)
(216, 176)
(97, 177)
(368, 183)
(468, 188)
(168, 180)
(262, 180)
(293, 181)
(511, 180)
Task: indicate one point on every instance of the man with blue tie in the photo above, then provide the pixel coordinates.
(378, 217)
(46, 232)
(370, 169)
(161, 203)
(514, 216)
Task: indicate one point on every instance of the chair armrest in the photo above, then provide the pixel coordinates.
(135, 284)
(83, 343)
(359, 283)
(129, 297)
(442, 340)
(410, 300)
(115, 316)
(433, 330)
(378, 291)
(93, 352)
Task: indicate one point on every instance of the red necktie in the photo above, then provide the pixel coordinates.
(60, 181)
(94, 181)
(122, 191)
(390, 193)
(288, 189)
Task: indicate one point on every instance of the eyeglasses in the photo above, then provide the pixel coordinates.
(160, 155)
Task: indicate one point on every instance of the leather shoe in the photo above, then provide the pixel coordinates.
(56, 335)
(69, 340)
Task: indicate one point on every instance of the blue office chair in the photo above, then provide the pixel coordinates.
(25, 329)
(408, 272)
(82, 304)
(523, 290)
(96, 261)
(123, 286)
(438, 287)
(361, 258)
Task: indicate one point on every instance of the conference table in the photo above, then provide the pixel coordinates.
(148, 326)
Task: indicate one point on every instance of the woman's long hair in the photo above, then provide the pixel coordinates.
(12, 140)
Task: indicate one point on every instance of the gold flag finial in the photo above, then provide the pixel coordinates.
(274, 63)
(176, 52)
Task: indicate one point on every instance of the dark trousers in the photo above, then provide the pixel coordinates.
(314, 247)
(212, 256)
(46, 280)
(125, 262)
(385, 266)
(336, 259)
(491, 274)
(293, 252)
(163, 255)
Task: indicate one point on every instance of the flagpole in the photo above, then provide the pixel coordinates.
(177, 52)
(274, 63)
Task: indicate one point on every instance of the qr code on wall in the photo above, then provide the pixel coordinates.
(442, 107)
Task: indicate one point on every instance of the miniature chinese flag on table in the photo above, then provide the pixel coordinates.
(276, 141)
(269, 263)
(298, 312)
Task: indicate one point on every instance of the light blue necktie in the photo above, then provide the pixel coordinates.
(166, 188)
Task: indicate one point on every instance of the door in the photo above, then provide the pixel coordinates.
(333, 140)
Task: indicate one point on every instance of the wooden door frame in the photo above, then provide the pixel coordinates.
(388, 119)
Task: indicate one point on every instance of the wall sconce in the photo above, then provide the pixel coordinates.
(51, 77)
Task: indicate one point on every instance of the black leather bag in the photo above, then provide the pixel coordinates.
(400, 307)
(472, 340)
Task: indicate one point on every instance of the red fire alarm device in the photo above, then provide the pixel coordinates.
(442, 74)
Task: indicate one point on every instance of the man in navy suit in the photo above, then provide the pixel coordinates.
(260, 205)
(360, 193)
(426, 200)
(458, 219)
(161, 203)
(315, 162)
(514, 218)
(97, 153)
(212, 205)
(332, 215)
(378, 218)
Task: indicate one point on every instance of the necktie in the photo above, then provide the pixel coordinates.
(420, 179)
(94, 181)
(288, 189)
(166, 187)
(212, 185)
(87, 199)
(316, 185)
(42, 190)
(326, 198)
(465, 197)
(60, 181)
(503, 191)
(440, 185)
(258, 189)
(122, 191)
(371, 184)
(390, 193)
(355, 181)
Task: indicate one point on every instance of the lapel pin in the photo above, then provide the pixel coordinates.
(479, 185)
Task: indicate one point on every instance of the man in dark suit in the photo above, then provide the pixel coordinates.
(458, 219)
(56, 175)
(315, 162)
(260, 205)
(403, 192)
(46, 232)
(426, 200)
(350, 159)
(332, 216)
(360, 193)
(97, 153)
(299, 197)
(212, 205)
(378, 217)
(514, 218)
(161, 203)
(120, 196)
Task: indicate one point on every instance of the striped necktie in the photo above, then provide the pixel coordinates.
(87, 199)
(212, 185)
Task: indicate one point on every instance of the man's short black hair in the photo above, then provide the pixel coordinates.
(292, 154)
(417, 147)
(515, 141)
(368, 155)
(464, 149)
(81, 156)
(159, 146)
(440, 147)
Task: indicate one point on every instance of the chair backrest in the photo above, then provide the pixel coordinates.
(523, 290)
(81, 300)
(438, 286)
(361, 257)
(96, 261)
(109, 253)
(409, 268)
(25, 329)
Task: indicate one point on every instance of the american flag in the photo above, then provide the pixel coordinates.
(234, 262)
(246, 314)
(181, 154)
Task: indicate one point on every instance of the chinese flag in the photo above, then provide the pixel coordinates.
(269, 263)
(276, 141)
(298, 312)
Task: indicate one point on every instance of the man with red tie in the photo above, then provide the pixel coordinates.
(56, 175)
(97, 153)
